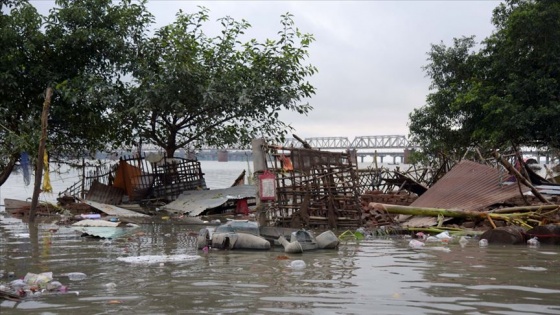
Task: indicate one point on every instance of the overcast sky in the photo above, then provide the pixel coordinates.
(369, 53)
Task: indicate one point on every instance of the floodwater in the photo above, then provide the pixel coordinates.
(374, 276)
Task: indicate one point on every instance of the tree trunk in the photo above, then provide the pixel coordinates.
(7, 171)
(40, 155)
(170, 152)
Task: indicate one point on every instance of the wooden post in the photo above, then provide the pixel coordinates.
(520, 177)
(259, 156)
(303, 142)
(82, 191)
(40, 155)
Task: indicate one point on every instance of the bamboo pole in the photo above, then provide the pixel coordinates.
(40, 155)
(434, 212)
(304, 143)
(489, 217)
(525, 209)
(431, 212)
(550, 174)
(453, 231)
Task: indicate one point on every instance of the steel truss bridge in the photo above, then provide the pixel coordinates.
(393, 146)
(393, 142)
(396, 142)
(382, 146)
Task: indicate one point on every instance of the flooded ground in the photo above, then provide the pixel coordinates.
(375, 276)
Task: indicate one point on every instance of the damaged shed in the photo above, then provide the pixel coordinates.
(314, 189)
(467, 186)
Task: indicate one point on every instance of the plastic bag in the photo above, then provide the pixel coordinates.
(41, 280)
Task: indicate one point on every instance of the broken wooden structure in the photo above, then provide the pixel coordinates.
(314, 189)
(139, 179)
(495, 196)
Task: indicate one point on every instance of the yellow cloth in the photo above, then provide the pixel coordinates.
(46, 179)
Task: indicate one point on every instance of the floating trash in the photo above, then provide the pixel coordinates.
(40, 280)
(298, 264)
(75, 276)
(533, 242)
(463, 241)
(415, 244)
(18, 283)
(33, 285)
(444, 236)
(433, 239)
(110, 285)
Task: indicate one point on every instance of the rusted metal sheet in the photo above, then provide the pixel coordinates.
(467, 186)
(102, 193)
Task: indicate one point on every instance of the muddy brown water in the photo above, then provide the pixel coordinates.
(375, 276)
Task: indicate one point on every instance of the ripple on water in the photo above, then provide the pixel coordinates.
(532, 268)
(381, 272)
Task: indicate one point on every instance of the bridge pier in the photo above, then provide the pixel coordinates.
(406, 156)
(222, 156)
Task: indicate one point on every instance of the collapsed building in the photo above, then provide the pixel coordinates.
(309, 188)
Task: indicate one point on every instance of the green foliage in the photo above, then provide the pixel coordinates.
(114, 84)
(20, 36)
(81, 50)
(441, 125)
(219, 91)
(505, 93)
(92, 44)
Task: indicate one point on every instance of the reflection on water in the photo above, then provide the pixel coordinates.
(379, 276)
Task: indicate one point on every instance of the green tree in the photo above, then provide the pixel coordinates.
(82, 49)
(194, 90)
(440, 127)
(506, 93)
(20, 36)
(523, 90)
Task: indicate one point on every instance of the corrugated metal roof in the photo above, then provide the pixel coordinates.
(113, 210)
(194, 202)
(103, 229)
(467, 186)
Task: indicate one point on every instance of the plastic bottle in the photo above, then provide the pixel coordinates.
(298, 264)
(91, 216)
(76, 276)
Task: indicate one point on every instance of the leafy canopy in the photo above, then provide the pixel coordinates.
(506, 93)
(81, 49)
(195, 90)
(114, 82)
